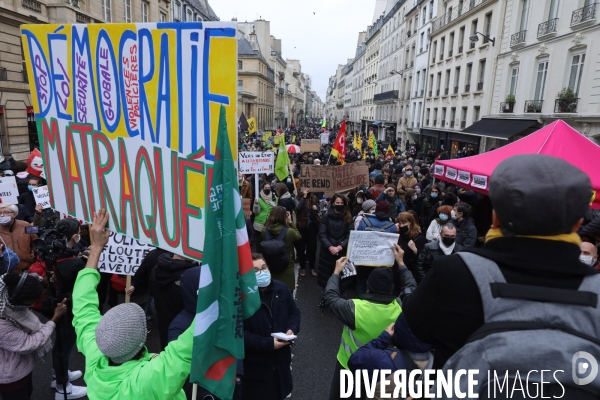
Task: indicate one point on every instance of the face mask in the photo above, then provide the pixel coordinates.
(434, 195)
(415, 197)
(443, 217)
(288, 180)
(448, 241)
(263, 278)
(30, 187)
(339, 207)
(453, 214)
(404, 229)
(267, 192)
(586, 260)
(5, 220)
(418, 191)
(372, 211)
(408, 173)
(359, 201)
(419, 175)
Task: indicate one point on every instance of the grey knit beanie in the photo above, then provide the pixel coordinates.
(121, 332)
(367, 205)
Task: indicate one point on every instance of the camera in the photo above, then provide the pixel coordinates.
(50, 239)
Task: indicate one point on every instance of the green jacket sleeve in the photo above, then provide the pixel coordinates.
(86, 314)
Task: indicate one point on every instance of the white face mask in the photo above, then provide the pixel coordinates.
(589, 260)
(359, 201)
(453, 214)
(372, 210)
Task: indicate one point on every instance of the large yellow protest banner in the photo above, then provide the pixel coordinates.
(127, 118)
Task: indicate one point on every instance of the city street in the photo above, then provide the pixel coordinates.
(314, 353)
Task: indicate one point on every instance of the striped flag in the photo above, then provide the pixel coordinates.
(227, 291)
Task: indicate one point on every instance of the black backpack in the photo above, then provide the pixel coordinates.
(274, 252)
(371, 228)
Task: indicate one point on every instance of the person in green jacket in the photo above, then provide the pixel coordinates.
(117, 363)
(262, 208)
(278, 218)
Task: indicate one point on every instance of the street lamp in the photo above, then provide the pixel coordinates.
(392, 72)
(473, 38)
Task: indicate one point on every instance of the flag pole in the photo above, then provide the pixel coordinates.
(194, 391)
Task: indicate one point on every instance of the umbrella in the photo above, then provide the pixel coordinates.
(292, 148)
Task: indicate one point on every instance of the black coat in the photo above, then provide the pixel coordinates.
(28, 201)
(411, 260)
(466, 233)
(278, 312)
(333, 231)
(432, 252)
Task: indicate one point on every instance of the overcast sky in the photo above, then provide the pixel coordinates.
(320, 41)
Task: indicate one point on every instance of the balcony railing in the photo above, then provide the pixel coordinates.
(430, 93)
(446, 91)
(3, 74)
(479, 86)
(460, 49)
(467, 88)
(449, 53)
(533, 106)
(32, 5)
(457, 12)
(565, 106)
(584, 14)
(451, 124)
(507, 107)
(455, 89)
(443, 123)
(518, 38)
(82, 18)
(389, 95)
(437, 92)
(463, 123)
(547, 27)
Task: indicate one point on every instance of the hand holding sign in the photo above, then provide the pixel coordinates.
(42, 197)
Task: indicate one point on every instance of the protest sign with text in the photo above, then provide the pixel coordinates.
(42, 196)
(127, 118)
(122, 255)
(332, 179)
(372, 249)
(325, 138)
(310, 145)
(9, 190)
(256, 162)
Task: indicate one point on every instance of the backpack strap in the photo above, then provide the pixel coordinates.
(267, 234)
(282, 233)
(367, 221)
(386, 226)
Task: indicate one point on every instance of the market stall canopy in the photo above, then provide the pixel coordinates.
(557, 139)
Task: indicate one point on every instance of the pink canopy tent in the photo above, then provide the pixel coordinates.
(557, 139)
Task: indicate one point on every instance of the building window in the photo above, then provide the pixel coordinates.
(476, 111)
(487, 24)
(424, 15)
(176, 11)
(189, 15)
(514, 79)
(540, 81)
(553, 12)
(468, 77)
(524, 11)
(576, 72)
(127, 10)
(464, 113)
(481, 75)
(163, 17)
(240, 64)
(106, 14)
(430, 10)
(144, 11)
(240, 84)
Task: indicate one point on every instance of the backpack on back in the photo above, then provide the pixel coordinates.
(371, 228)
(274, 251)
(528, 329)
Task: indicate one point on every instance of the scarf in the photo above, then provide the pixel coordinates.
(447, 250)
(22, 317)
(573, 238)
(286, 195)
(267, 199)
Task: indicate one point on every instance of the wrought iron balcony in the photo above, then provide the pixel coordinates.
(586, 13)
(479, 86)
(437, 92)
(507, 107)
(566, 105)
(446, 91)
(533, 106)
(451, 124)
(430, 93)
(463, 124)
(460, 49)
(385, 96)
(450, 53)
(32, 5)
(467, 88)
(463, 8)
(443, 123)
(455, 89)
(518, 38)
(3, 74)
(547, 27)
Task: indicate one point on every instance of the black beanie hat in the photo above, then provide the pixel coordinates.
(379, 179)
(381, 281)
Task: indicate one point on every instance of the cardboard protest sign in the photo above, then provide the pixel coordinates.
(256, 162)
(324, 138)
(333, 179)
(9, 190)
(247, 206)
(371, 249)
(42, 196)
(276, 140)
(127, 117)
(310, 145)
(122, 255)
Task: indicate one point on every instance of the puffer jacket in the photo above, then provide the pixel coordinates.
(431, 252)
(332, 232)
(466, 233)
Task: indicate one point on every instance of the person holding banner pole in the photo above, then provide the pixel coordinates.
(263, 205)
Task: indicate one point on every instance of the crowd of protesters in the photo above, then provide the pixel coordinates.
(417, 314)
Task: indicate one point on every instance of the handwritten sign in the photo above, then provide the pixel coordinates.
(42, 196)
(333, 179)
(324, 138)
(127, 118)
(371, 249)
(122, 255)
(9, 190)
(256, 162)
(247, 207)
(310, 145)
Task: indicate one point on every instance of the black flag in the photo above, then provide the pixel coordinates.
(243, 123)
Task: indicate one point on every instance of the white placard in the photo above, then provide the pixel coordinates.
(42, 196)
(480, 181)
(372, 249)
(451, 173)
(464, 177)
(324, 138)
(122, 255)
(438, 170)
(256, 162)
(9, 190)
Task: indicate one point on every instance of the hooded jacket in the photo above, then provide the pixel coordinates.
(149, 378)
(164, 286)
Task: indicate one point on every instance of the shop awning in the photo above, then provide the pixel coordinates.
(377, 123)
(502, 128)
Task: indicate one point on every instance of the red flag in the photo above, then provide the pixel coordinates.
(339, 148)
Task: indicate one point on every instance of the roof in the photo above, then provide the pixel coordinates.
(204, 8)
(245, 48)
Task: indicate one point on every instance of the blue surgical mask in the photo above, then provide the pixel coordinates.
(443, 217)
(31, 187)
(263, 278)
(289, 180)
(5, 220)
(434, 195)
